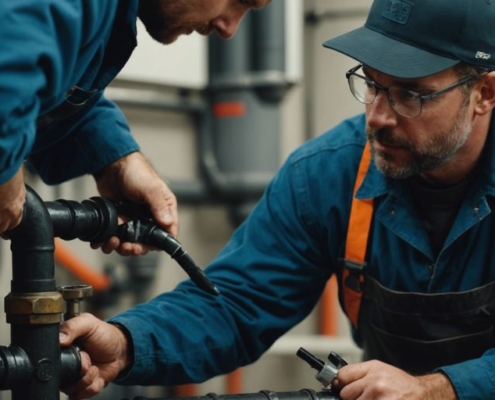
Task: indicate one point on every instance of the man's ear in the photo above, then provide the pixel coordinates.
(485, 100)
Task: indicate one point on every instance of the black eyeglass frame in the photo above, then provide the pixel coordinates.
(421, 98)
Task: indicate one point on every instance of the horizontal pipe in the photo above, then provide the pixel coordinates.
(304, 394)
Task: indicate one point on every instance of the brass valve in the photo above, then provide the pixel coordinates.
(73, 296)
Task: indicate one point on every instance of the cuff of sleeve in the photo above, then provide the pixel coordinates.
(472, 379)
(130, 347)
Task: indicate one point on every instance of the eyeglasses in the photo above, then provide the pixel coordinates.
(405, 102)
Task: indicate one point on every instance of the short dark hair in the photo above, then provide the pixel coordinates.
(464, 69)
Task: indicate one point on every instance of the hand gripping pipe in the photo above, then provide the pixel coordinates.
(34, 367)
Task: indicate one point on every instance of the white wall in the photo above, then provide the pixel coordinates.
(182, 64)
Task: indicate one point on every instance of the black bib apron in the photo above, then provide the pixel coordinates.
(420, 332)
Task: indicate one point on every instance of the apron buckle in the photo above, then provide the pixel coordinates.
(354, 279)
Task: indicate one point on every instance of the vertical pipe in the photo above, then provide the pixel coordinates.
(269, 38)
(239, 142)
(40, 342)
(32, 246)
(35, 331)
(230, 58)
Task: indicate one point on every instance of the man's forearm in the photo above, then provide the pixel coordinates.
(438, 387)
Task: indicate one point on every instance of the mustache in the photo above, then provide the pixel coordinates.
(387, 138)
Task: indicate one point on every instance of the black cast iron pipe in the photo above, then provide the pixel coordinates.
(34, 366)
(35, 349)
(303, 394)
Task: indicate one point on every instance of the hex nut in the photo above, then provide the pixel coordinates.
(34, 303)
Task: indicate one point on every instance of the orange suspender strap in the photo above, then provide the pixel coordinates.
(356, 244)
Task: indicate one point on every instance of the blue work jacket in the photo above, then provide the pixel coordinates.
(274, 269)
(46, 48)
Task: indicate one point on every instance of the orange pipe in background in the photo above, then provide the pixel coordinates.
(329, 309)
(234, 382)
(184, 390)
(79, 268)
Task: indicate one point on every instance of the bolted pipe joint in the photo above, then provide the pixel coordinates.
(16, 368)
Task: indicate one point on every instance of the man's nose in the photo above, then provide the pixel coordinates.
(380, 113)
(227, 25)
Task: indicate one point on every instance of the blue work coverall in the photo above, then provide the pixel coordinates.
(273, 271)
(47, 49)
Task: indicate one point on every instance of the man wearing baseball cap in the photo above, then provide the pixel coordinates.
(409, 231)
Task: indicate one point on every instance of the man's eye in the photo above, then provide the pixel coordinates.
(369, 84)
(248, 3)
(404, 95)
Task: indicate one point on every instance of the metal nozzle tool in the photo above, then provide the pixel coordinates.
(327, 371)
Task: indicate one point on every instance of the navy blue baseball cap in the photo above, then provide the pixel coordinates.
(417, 38)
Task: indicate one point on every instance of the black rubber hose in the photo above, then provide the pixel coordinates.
(148, 232)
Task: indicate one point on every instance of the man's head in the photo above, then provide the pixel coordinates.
(417, 38)
(424, 78)
(166, 20)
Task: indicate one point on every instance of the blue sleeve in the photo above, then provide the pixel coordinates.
(91, 140)
(270, 276)
(473, 379)
(45, 48)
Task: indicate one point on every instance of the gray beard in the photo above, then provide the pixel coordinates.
(438, 153)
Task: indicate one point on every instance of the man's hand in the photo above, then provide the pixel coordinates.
(379, 381)
(104, 355)
(12, 198)
(133, 178)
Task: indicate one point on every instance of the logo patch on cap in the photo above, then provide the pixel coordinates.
(482, 55)
(397, 11)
